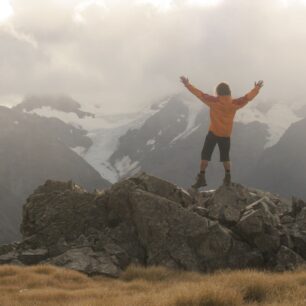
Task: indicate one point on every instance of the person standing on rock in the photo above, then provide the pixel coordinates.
(222, 112)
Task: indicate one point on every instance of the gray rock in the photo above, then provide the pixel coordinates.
(31, 257)
(86, 261)
(10, 257)
(162, 188)
(287, 259)
(296, 225)
(149, 221)
(204, 212)
(297, 206)
(6, 248)
(227, 203)
(165, 229)
(259, 226)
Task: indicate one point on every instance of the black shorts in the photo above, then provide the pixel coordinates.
(224, 144)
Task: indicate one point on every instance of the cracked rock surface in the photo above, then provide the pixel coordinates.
(146, 220)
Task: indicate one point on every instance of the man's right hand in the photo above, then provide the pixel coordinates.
(184, 80)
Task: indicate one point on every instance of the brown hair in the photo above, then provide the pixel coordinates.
(223, 89)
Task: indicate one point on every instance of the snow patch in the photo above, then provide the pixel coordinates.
(79, 150)
(105, 143)
(193, 111)
(126, 165)
(278, 119)
(160, 105)
(151, 142)
(87, 123)
(104, 131)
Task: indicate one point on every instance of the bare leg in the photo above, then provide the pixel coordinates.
(227, 166)
(201, 181)
(227, 177)
(204, 164)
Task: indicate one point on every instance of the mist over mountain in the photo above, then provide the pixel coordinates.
(116, 56)
(166, 140)
(33, 149)
(282, 168)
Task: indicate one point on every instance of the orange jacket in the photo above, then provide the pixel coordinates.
(222, 109)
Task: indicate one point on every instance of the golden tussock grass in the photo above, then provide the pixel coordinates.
(156, 286)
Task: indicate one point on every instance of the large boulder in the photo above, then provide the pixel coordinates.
(287, 259)
(260, 226)
(295, 222)
(227, 203)
(87, 261)
(146, 220)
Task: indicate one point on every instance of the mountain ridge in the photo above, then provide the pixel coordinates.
(123, 145)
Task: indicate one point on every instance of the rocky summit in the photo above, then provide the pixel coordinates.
(149, 221)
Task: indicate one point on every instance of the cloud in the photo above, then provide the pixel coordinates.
(123, 54)
(97, 6)
(6, 10)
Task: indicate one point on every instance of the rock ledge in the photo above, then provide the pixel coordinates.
(146, 220)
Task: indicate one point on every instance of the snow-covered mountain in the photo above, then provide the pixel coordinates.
(277, 116)
(166, 138)
(104, 130)
(169, 144)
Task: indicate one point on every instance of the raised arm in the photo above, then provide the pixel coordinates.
(241, 102)
(205, 98)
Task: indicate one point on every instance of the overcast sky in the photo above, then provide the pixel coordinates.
(123, 54)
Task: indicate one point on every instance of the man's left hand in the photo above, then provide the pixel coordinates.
(259, 84)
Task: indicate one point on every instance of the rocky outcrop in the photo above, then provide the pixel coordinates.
(149, 221)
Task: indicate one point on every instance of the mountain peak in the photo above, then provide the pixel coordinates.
(61, 103)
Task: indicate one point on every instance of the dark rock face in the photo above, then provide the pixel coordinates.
(149, 221)
(295, 222)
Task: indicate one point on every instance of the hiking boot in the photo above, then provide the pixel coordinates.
(227, 179)
(201, 181)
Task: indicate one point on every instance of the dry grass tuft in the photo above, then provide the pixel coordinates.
(44, 269)
(45, 285)
(204, 294)
(255, 293)
(158, 274)
(7, 270)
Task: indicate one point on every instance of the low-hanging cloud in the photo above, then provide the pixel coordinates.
(124, 54)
